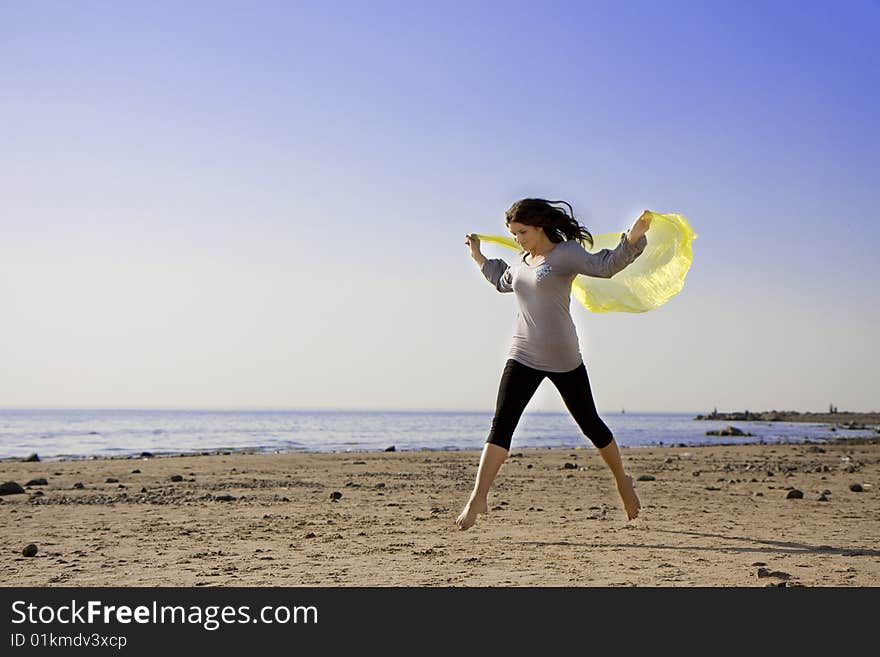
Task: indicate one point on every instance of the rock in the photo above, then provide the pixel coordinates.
(728, 431)
(225, 498)
(79, 485)
(111, 480)
(822, 498)
(569, 466)
(176, 477)
(135, 471)
(778, 574)
(391, 448)
(310, 535)
(31, 459)
(146, 455)
(335, 495)
(759, 494)
(11, 488)
(856, 488)
(794, 494)
(38, 482)
(646, 478)
(30, 550)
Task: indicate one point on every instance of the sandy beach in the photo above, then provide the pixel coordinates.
(712, 516)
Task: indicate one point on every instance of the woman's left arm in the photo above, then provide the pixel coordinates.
(640, 227)
(605, 263)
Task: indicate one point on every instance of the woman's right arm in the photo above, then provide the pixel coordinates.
(496, 271)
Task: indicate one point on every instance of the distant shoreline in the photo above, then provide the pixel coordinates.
(841, 417)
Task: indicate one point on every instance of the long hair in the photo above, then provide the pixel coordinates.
(558, 224)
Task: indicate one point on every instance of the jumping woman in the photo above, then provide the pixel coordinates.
(545, 343)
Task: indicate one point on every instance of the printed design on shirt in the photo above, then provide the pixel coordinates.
(543, 272)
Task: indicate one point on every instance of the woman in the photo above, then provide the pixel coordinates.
(545, 343)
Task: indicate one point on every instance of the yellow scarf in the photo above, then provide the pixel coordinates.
(650, 281)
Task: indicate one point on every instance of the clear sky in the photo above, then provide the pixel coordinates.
(262, 205)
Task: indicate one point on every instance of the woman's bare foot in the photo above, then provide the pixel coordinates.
(628, 495)
(468, 515)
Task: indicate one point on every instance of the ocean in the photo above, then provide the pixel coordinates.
(56, 434)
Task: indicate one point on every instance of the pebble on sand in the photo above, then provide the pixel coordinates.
(795, 494)
(30, 550)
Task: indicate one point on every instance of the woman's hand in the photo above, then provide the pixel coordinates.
(640, 227)
(474, 242)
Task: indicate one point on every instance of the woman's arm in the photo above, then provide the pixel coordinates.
(496, 271)
(474, 242)
(640, 227)
(607, 262)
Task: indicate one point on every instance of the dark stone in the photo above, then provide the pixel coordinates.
(31, 459)
(391, 448)
(146, 455)
(822, 498)
(569, 466)
(38, 482)
(335, 495)
(30, 550)
(79, 485)
(778, 574)
(794, 494)
(176, 477)
(111, 480)
(135, 472)
(646, 478)
(728, 431)
(225, 498)
(11, 488)
(856, 488)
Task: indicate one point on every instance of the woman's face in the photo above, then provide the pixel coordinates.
(527, 237)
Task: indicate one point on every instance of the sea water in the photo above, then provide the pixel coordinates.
(64, 433)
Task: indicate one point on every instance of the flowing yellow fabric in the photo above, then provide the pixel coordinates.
(651, 280)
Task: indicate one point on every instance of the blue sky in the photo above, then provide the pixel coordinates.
(246, 205)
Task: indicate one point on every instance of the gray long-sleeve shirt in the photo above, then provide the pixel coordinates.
(545, 336)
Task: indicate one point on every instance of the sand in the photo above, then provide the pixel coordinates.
(712, 516)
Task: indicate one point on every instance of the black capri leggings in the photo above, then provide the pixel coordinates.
(519, 383)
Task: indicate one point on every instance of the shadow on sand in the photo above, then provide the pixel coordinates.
(758, 545)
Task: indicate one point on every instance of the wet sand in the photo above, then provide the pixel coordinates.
(712, 516)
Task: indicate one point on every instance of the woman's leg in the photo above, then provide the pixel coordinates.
(518, 384)
(574, 386)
